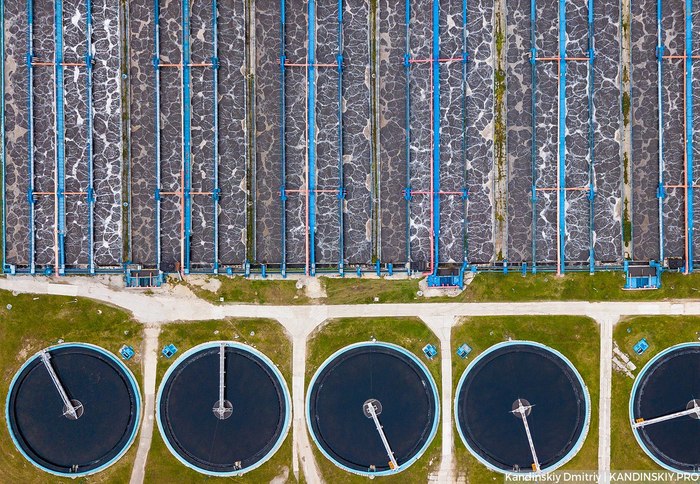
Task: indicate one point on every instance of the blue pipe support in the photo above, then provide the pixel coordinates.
(689, 180)
(30, 136)
(311, 76)
(533, 127)
(561, 195)
(60, 136)
(215, 149)
(341, 171)
(186, 132)
(157, 127)
(89, 128)
(661, 190)
(591, 141)
(436, 133)
(407, 116)
(283, 135)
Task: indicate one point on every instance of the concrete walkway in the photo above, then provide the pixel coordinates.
(604, 408)
(150, 363)
(446, 472)
(300, 321)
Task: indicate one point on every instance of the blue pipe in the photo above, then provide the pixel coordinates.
(591, 142)
(661, 189)
(562, 135)
(341, 171)
(407, 114)
(89, 127)
(30, 136)
(186, 131)
(215, 151)
(436, 133)
(533, 101)
(689, 181)
(60, 135)
(156, 73)
(283, 135)
(311, 72)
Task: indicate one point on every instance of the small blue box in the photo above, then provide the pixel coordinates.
(127, 352)
(169, 350)
(641, 346)
(430, 351)
(464, 350)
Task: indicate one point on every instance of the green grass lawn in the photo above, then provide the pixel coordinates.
(513, 287)
(486, 287)
(363, 291)
(412, 334)
(661, 332)
(253, 291)
(577, 338)
(38, 321)
(265, 335)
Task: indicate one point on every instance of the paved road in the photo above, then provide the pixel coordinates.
(300, 321)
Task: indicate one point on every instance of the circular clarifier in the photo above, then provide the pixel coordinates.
(522, 407)
(372, 408)
(73, 409)
(223, 408)
(665, 408)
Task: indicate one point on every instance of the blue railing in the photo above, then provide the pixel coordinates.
(561, 195)
(689, 180)
(436, 134)
(341, 171)
(661, 188)
(89, 129)
(186, 135)
(2, 133)
(465, 138)
(591, 141)
(311, 137)
(215, 149)
(407, 114)
(156, 120)
(283, 135)
(60, 138)
(30, 136)
(533, 154)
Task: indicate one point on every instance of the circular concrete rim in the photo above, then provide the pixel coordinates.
(276, 372)
(587, 399)
(134, 386)
(633, 393)
(429, 377)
